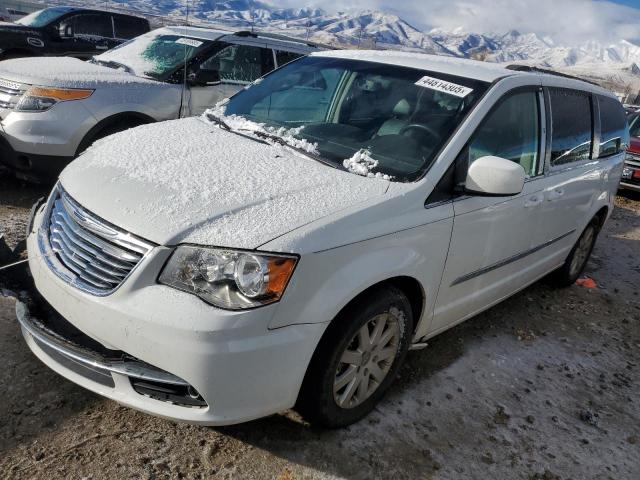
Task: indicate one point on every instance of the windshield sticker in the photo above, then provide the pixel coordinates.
(189, 42)
(446, 87)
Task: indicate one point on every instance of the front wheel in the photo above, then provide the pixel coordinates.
(577, 260)
(357, 359)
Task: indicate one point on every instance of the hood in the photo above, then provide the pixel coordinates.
(66, 72)
(187, 181)
(634, 145)
(7, 27)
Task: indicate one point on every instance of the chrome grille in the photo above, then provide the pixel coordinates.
(10, 93)
(632, 159)
(97, 257)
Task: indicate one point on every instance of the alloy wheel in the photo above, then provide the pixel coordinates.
(582, 251)
(367, 360)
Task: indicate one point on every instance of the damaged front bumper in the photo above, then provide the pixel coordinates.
(52, 338)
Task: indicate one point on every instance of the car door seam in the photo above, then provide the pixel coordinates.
(508, 260)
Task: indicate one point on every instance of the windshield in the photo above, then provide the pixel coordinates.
(153, 55)
(369, 118)
(634, 126)
(43, 17)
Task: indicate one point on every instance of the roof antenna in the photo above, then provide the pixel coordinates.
(184, 70)
(253, 20)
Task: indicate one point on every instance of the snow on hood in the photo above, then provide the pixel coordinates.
(187, 181)
(64, 72)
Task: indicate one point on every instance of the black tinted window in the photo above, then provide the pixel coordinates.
(511, 131)
(571, 122)
(129, 27)
(92, 25)
(613, 126)
(286, 57)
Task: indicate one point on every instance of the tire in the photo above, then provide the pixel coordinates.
(577, 260)
(317, 403)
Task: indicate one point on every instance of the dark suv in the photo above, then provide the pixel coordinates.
(68, 31)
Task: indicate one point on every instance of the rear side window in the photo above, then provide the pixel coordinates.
(613, 126)
(571, 126)
(129, 27)
(285, 57)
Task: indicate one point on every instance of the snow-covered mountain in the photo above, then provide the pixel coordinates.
(384, 30)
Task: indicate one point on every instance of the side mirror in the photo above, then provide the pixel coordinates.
(201, 78)
(494, 176)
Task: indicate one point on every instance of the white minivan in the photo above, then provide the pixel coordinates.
(289, 247)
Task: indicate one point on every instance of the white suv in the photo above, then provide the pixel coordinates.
(290, 246)
(53, 108)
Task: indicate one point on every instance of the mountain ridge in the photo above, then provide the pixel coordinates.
(377, 29)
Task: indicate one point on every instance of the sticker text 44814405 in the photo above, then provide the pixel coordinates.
(444, 86)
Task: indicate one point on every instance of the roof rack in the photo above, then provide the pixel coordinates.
(276, 36)
(528, 68)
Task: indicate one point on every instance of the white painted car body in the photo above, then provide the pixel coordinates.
(465, 254)
(41, 143)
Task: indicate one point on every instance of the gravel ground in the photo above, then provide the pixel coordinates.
(543, 386)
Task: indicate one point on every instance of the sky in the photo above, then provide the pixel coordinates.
(565, 21)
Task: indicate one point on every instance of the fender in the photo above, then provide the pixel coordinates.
(363, 265)
(107, 122)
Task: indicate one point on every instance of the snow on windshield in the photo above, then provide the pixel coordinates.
(362, 163)
(240, 123)
(153, 54)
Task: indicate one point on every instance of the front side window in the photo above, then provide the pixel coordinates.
(391, 120)
(613, 126)
(571, 126)
(237, 63)
(91, 25)
(511, 131)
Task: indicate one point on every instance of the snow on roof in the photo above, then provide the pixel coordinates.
(196, 32)
(214, 34)
(461, 67)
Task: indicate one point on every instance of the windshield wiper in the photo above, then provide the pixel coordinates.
(218, 121)
(283, 142)
(113, 64)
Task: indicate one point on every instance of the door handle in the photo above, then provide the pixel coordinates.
(555, 194)
(533, 201)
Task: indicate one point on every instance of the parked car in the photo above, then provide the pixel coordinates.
(8, 14)
(289, 247)
(631, 173)
(70, 31)
(53, 109)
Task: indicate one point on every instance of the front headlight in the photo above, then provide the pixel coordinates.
(229, 278)
(40, 99)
